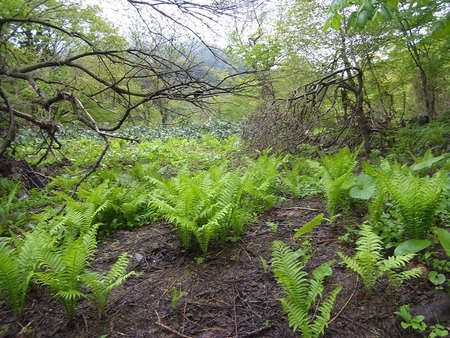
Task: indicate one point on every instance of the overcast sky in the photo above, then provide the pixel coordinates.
(124, 17)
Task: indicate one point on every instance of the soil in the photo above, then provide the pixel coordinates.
(228, 292)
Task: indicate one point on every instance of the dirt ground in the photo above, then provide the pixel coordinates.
(228, 292)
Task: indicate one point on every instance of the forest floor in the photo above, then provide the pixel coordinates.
(228, 292)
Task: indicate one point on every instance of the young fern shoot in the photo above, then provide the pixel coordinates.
(302, 293)
(369, 263)
(102, 285)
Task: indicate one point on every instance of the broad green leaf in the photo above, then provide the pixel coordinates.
(411, 246)
(352, 20)
(362, 18)
(444, 239)
(427, 163)
(364, 187)
(384, 13)
(336, 5)
(393, 3)
(436, 278)
(308, 227)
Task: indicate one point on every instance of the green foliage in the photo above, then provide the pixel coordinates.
(206, 205)
(418, 140)
(308, 227)
(118, 205)
(336, 180)
(365, 12)
(415, 323)
(176, 297)
(8, 203)
(369, 263)
(416, 200)
(444, 240)
(100, 285)
(63, 267)
(17, 265)
(259, 183)
(300, 177)
(418, 324)
(411, 246)
(301, 292)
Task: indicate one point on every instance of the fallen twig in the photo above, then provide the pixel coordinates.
(168, 328)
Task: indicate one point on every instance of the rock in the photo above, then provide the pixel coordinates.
(436, 309)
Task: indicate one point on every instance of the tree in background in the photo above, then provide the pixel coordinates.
(402, 62)
(422, 26)
(59, 58)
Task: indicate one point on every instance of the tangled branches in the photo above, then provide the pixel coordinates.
(323, 112)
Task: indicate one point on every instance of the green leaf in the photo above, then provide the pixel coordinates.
(362, 18)
(393, 3)
(364, 188)
(336, 22)
(308, 227)
(436, 278)
(384, 13)
(336, 5)
(411, 246)
(444, 239)
(427, 163)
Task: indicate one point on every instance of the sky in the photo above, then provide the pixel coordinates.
(124, 17)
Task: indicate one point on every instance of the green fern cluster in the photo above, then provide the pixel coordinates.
(337, 173)
(369, 263)
(302, 291)
(17, 267)
(205, 206)
(300, 177)
(10, 213)
(120, 205)
(57, 255)
(260, 181)
(415, 199)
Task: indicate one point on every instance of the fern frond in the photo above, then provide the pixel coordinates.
(205, 206)
(337, 171)
(398, 278)
(325, 308)
(415, 199)
(12, 289)
(369, 263)
(102, 285)
(17, 267)
(64, 266)
(301, 292)
(316, 282)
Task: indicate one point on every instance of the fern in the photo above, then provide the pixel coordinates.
(102, 285)
(369, 263)
(416, 200)
(299, 177)
(302, 292)
(9, 214)
(17, 266)
(337, 172)
(260, 183)
(63, 267)
(205, 206)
